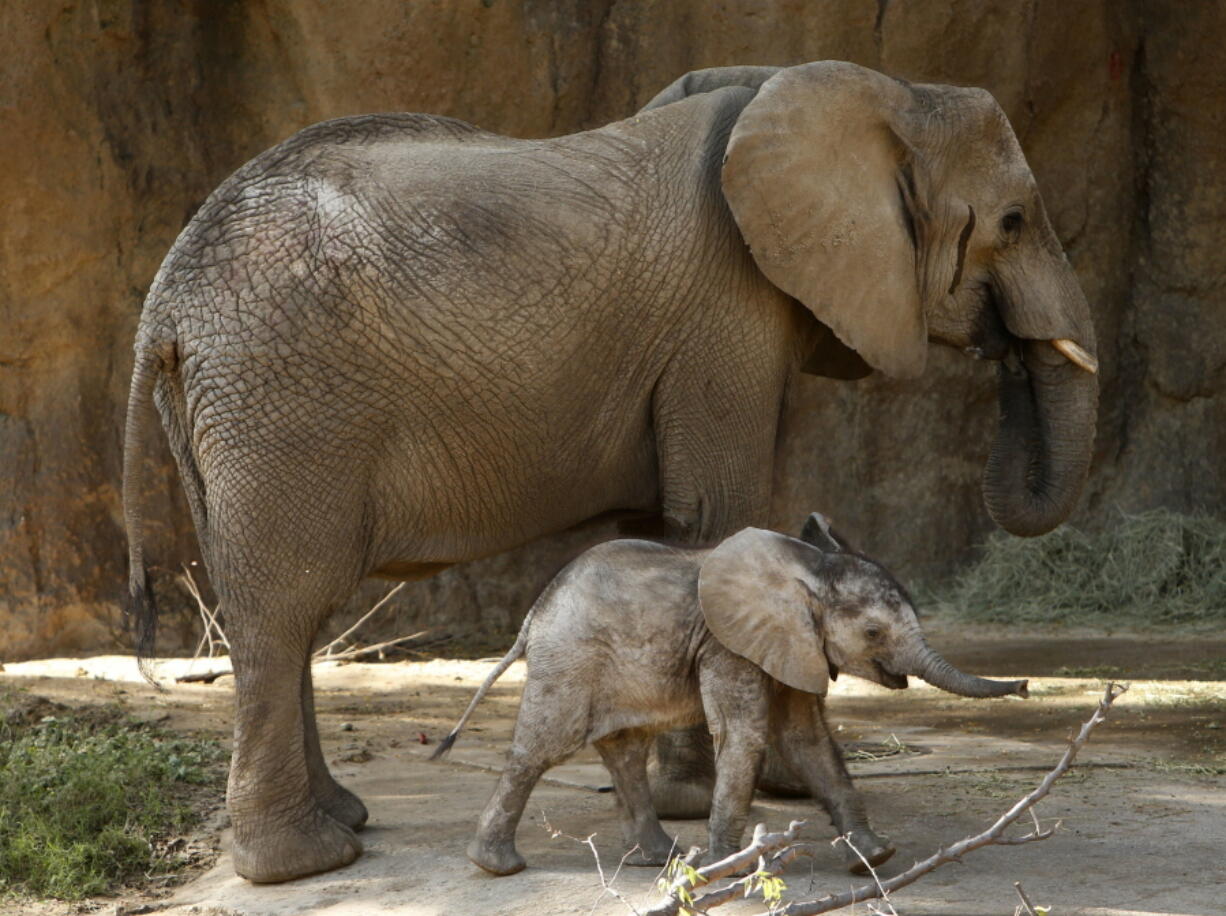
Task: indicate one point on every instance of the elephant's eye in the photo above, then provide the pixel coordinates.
(1011, 224)
(872, 633)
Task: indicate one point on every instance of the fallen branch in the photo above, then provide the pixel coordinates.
(208, 677)
(678, 896)
(209, 617)
(606, 884)
(674, 903)
(215, 636)
(414, 639)
(1001, 768)
(1027, 905)
(202, 677)
(994, 835)
(326, 651)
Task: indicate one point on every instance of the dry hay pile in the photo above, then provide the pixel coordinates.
(1156, 568)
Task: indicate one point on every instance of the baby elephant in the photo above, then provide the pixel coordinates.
(634, 638)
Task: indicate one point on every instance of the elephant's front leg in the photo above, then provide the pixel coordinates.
(715, 430)
(715, 416)
(738, 757)
(807, 747)
(734, 698)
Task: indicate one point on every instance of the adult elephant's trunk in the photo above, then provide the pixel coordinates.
(1048, 407)
(931, 667)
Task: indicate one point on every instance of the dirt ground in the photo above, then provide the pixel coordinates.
(1143, 816)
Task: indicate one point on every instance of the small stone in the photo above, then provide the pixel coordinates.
(346, 726)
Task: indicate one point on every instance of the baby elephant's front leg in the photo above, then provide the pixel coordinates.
(734, 698)
(738, 758)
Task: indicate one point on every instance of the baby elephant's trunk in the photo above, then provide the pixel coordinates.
(939, 673)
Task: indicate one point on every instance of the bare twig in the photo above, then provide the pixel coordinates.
(359, 652)
(211, 625)
(994, 835)
(686, 880)
(207, 677)
(1027, 907)
(606, 885)
(884, 894)
(326, 651)
(790, 850)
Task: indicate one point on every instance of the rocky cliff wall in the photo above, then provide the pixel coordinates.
(117, 118)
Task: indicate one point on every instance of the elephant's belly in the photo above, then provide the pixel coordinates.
(407, 571)
(433, 511)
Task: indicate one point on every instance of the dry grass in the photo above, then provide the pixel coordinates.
(1157, 568)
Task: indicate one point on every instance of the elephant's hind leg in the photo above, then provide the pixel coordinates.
(625, 756)
(805, 743)
(280, 830)
(334, 798)
(281, 563)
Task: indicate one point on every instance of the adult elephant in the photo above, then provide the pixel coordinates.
(397, 342)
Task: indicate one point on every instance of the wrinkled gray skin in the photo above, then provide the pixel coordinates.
(635, 637)
(397, 342)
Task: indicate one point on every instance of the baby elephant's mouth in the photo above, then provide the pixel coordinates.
(888, 678)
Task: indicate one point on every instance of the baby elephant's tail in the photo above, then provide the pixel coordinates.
(515, 652)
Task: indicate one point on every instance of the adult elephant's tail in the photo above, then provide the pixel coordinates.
(140, 607)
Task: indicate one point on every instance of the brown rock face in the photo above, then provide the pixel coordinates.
(117, 118)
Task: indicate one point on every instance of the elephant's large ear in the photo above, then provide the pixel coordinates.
(824, 189)
(756, 592)
(708, 80)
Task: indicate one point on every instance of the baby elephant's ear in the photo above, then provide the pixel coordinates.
(817, 531)
(754, 590)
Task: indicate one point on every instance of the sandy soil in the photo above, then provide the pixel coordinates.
(1144, 816)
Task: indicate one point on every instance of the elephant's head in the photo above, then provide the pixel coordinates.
(806, 610)
(901, 213)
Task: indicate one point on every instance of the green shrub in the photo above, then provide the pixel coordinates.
(88, 801)
(1152, 569)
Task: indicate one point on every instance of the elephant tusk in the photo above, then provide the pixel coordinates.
(1077, 355)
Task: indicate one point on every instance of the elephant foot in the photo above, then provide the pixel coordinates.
(652, 851)
(873, 849)
(681, 799)
(778, 780)
(496, 858)
(681, 774)
(314, 844)
(343, 806)
(648, 858)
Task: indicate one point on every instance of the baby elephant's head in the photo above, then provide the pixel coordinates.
(804, 610)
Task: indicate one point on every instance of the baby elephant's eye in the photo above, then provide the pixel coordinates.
(873, 633)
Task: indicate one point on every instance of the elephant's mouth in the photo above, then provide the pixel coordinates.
(990, 339)
(888, 678)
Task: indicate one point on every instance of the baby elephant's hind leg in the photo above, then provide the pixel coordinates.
(625, 756)
(549, 729)
(805, 743)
